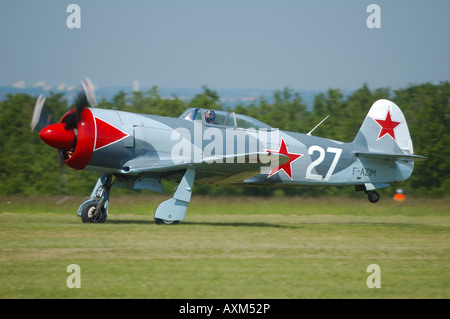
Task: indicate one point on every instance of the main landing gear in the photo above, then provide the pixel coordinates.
(169, 212)
(173, 210)
(95, 209)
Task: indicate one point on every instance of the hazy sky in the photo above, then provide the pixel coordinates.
(309, 44)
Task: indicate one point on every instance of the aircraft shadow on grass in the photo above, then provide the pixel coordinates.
(233, 224)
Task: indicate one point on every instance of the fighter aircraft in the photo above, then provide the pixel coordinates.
(139, 151)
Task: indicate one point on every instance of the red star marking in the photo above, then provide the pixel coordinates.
(107, 134)
(387, 126)
(286, 167)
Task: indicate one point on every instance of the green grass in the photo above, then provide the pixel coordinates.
(227, 248)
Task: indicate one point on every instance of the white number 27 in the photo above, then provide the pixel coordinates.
(316, 148)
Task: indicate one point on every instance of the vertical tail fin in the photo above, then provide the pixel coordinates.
(384, 130)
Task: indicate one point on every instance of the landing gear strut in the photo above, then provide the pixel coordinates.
(95, 210)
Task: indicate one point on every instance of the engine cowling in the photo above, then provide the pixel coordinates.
(75, 145)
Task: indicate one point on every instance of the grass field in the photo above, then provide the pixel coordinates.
(227, 248)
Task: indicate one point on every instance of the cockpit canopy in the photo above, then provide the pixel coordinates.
(223, 118)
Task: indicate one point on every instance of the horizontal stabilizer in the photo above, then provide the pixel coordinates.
(392, 157)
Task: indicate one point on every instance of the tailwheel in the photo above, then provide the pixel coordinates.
(373, 196)
(89, 213)
(160, 221)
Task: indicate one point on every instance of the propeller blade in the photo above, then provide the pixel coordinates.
(89, 90)
(81, 102)
(85, 97)
(37, 111)
(71, 120)
(42, 115)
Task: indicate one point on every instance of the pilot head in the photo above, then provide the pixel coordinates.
(210, 116)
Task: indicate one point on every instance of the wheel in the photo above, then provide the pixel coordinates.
(87, 210)
(160, 221)
(373, 196)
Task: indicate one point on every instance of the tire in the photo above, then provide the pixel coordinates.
(88, 208)
(373, 196)
(160, 221)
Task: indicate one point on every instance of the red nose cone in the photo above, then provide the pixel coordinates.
(57, 136)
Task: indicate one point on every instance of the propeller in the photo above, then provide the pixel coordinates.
(63, 135)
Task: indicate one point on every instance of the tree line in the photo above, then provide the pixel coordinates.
(29, 167)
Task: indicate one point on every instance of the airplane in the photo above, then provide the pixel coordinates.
(139, 151)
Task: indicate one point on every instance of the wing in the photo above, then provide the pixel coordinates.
(221, 169)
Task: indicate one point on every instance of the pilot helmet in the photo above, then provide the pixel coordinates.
(210, 115)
